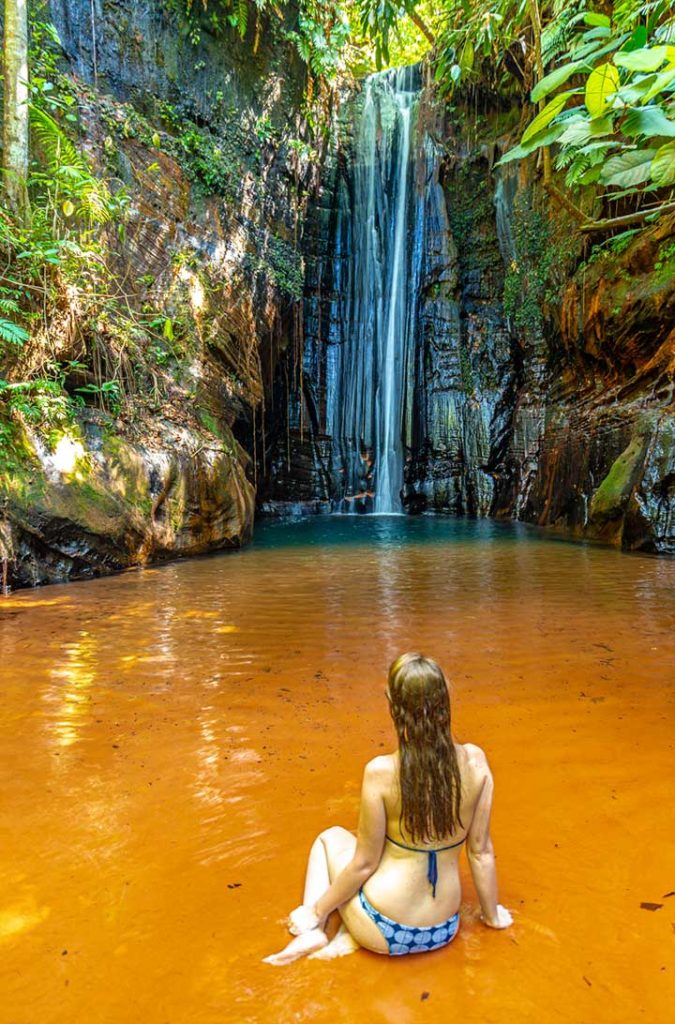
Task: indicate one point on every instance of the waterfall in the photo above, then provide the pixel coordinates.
(377, 287)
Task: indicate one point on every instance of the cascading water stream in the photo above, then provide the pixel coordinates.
(378, 285)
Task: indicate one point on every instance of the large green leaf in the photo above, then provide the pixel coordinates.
(591, 49)
(663, 165)
(545, 116)
(647, 121)
(629, 169)
(544, 138)
(467, 57)
(580, 130)
(661, 83)
(635, 90)
(602, 83)
(590, 177)
(12, 333)
(637, 40)
(554, 79)
(645, 59)
(592, 18)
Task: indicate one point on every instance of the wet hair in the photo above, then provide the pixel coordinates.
(429, 773)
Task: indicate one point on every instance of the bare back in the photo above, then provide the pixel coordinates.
(400, 887)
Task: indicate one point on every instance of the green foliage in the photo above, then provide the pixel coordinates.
(108, 389)
(321, 35)
(666, 257)
(380, 21)
(58, 249)
(208, 162)
(66, 178)
(11, 333)
(280, 261)
(320, 30)
(39, 400)
(544, 256)
(615, 129)
(485, 39)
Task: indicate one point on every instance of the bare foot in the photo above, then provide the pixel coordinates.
(302, 945)
(341, 945)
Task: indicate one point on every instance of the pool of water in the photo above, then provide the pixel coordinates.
(172, 739)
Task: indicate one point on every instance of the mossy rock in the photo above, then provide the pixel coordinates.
(612, 497)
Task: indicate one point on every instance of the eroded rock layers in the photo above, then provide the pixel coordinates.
(542, 381)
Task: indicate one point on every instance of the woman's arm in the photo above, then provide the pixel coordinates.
(481, 852)
(369, 844)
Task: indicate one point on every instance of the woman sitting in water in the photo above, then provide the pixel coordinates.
(418, 806)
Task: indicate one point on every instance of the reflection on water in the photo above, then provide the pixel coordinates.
(173, 739)
(73, 677)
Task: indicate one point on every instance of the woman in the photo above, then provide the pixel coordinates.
(418, 806)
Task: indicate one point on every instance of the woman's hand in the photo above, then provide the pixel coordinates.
(302, 919)
(502, 920)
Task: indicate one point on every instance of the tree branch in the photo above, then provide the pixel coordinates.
(630, 218)
(417, 20)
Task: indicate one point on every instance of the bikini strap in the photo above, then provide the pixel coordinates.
(417, 849)
(432, 864)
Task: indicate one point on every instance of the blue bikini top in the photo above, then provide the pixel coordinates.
(432, 868)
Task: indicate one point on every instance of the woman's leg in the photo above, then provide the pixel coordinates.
(330, 852)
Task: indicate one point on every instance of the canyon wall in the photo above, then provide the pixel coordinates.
(542, 384)
(540, 380)
(205, 275)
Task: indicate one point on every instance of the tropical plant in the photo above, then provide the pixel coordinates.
(65, 175)
(609, 106)
(321, 35)
(487, 39)
(380, 20)
(320, 32)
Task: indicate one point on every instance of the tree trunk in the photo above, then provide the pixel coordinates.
(15, 113)
(535, 19)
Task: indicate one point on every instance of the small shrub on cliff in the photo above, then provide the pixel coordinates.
(544, 254)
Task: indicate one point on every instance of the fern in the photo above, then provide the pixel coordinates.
(585, 161)
(241, 16)
(70, 169)
(12, 333)
(57, 148)
(556, 35)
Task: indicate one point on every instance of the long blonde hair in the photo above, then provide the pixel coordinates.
(429, 773)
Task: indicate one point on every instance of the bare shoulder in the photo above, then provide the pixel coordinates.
(476, 761)
(380, 769)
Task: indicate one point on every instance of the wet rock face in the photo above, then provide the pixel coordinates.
(141, 53)
(453, 348)
(602, 458)
(108, 504)
(465, 357)
(538, 392)
(198, 134)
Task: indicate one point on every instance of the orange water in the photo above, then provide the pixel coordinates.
(172, 740)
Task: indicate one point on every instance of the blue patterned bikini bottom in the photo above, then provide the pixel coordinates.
(404, 938)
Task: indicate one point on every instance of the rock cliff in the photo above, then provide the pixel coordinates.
(207, 139)
(541, 384)
(543, 380)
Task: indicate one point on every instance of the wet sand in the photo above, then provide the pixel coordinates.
(172, 740)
